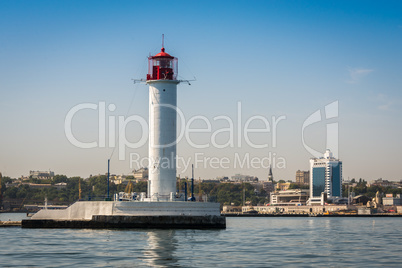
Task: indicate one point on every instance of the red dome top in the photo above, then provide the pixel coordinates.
(163, 54)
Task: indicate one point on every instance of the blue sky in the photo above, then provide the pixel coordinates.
(278, 58)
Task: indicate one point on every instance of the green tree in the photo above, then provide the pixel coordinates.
(298, 186)
(59, 178)
(11, 192)
(140, 186)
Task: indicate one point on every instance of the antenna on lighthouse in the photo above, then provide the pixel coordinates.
(163, 41)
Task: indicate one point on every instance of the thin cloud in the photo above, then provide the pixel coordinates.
(385, 107)
(386, 103)
(356, 74)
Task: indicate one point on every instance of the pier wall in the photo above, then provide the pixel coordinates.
(85, 210)
(127, 222)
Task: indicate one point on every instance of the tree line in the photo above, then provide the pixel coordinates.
(361, 188)
(95, 188)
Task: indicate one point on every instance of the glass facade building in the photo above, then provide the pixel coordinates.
(318, 180)
(325, 176)
(336, 179)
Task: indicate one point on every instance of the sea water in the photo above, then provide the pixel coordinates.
(246, 242)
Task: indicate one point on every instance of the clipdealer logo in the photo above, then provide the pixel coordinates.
(228, 133)
(238, 133)
(331, 111)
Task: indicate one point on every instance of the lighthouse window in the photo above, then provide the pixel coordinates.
(165, 64)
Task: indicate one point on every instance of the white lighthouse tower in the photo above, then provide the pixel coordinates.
(163, 207)
(162, 81)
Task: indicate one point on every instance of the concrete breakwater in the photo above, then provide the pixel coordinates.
(128, 222)
(10, 223)
(120, 214)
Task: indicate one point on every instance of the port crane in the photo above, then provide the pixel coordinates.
(79, 189)
(129, 188)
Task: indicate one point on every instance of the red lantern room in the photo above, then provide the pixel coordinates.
(162, 66)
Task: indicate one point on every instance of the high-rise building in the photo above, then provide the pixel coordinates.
(325, 177)
(302, 177)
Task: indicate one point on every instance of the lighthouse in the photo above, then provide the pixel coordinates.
(162, 207)
(162, 82)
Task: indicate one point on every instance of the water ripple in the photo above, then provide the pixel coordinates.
(256, 242)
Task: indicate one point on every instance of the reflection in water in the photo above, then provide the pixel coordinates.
(328, 225)
(161, 248)
(247, 242)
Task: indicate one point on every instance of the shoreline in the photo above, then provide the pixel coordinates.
(310, 215)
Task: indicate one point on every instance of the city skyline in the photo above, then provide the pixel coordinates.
(276, 62)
